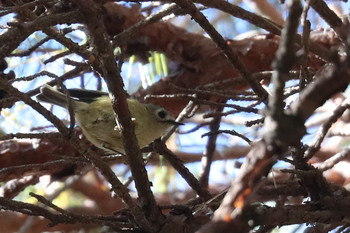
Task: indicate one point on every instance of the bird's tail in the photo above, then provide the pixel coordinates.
(51, 95)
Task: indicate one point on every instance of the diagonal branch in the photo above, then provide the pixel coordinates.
(105, 62)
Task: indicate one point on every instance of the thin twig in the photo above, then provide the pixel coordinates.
(191, 9)
(183, 171)
(321, 134)
(210, 148)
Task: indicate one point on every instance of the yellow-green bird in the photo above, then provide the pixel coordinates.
(95, 116)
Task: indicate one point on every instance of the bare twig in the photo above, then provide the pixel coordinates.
(191, 9)
(321, 134)
(208, 154)
(180, 167)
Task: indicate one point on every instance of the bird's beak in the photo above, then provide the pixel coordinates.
(171, 122)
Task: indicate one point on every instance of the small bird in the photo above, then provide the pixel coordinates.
(95, 116)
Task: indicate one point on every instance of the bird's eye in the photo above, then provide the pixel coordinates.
(162, 114)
